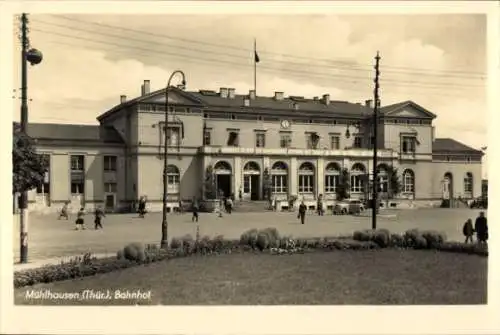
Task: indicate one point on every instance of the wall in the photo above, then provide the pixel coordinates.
(392, 139)
(299, 138)
(458, 171)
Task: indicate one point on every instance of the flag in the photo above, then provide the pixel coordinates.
(256, 57)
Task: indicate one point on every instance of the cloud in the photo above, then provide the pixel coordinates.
(80, 79)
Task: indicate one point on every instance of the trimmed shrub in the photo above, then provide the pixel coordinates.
(420, 242)
(397, 240)
(262, 241)
(433, 238)
(134, 252)
(379, 236)
(175, 243)
(120, 254)
(272, 234)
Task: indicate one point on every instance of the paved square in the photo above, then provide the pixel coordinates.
(51, 238)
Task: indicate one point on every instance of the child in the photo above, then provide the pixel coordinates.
(468, 231)
(79, 219)
(64, 211)
(99, 214)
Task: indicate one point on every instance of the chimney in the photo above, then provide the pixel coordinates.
(142, 89)
(252, 95)
(378, 103)
(147, 87)
(433, 134)
(316, 98)
(123, 99)
(368, 103)
(231, 93)
(224, 92)
(326, 99)
(279, 95)
(246, 102)
(295, 106)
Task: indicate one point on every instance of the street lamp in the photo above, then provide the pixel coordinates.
(164, 223)
(34, 57)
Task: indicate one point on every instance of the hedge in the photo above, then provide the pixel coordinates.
(269, 240)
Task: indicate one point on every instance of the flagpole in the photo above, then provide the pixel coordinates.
(254, 66)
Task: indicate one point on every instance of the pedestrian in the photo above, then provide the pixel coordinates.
(219, 208)
(80, 222)
(302, 212)
(240, 194)
(99, 214)
(64, 211)
(229, 205)
(196, 208)
(468, 231)
(181, 207)
(481, 228)
(319, 205)
(142, 207)
(273, 203)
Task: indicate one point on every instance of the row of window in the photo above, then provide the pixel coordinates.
(78, 163)
(76, 188)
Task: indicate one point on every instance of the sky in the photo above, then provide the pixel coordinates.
(437, 61)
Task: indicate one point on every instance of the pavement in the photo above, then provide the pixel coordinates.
(52, 240)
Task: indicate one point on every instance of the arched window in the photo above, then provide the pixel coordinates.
(332, 177)
(306, 178)
(173, 179)
(468, 185)
(358, 176)
(383, 178)
(279, 178)
(408, 181)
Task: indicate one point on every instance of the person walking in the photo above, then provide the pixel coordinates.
(302, 212)
(80, 221)
(481, 228)
(64, 211)
(319, 205)
(142, 207)
(229, 205)
(196, 209)
(468, 231)
(99, 214)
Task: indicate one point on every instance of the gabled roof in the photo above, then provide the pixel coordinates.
(394, 108)
(449, 145)
(147, 97)
(68, 132)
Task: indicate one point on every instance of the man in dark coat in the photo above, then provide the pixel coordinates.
(302, 212)
(481, 228)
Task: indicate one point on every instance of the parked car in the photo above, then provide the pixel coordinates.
(348, 206)
(480, 203)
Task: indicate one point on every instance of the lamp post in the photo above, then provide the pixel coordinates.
(34, 57)
(164, 223)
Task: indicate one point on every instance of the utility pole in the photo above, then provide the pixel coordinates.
(34, 57)
(23, 201)
(375, 144)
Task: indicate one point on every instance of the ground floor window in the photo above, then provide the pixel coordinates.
(110, 188)
(77, 188)
(331, 182)
(173, 179)
(383, 183)
(279, 183)
(306, 184)
(468, 185)
(357, 184)
(408, 181)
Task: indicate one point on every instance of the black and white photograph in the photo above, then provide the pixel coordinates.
(249, 158)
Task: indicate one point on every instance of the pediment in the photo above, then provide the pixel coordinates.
(409, 109)
(175, 97)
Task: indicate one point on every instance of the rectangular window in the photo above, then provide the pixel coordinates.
(260, 140)
(331, 182)
(312, 140)
(173, 136)
(334, 142)
(233, 139)
(77, 187)
(358, 142)
(207, 137)
(110, 163)
(408, 144)
(110, 188)
(77, 162)
(285, 140)
(357, 184)
(279, 184)
(306, 184)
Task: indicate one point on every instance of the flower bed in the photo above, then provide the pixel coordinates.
(265, 240)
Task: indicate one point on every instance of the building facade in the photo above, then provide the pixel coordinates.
(292, 145)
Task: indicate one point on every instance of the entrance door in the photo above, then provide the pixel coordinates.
(254, 187)
(223, 185)
(110, 202)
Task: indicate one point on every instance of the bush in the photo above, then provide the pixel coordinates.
(379, 236)
(433, 238)
(249, 237)
(175, 243)
(263, 241)
(134, 252)
(397, 240)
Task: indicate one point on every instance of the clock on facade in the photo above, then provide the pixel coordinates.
(285, 124)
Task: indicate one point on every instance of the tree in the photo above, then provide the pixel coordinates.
(29, 168)
(395, 186)
(209, 186)
(343, 187)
